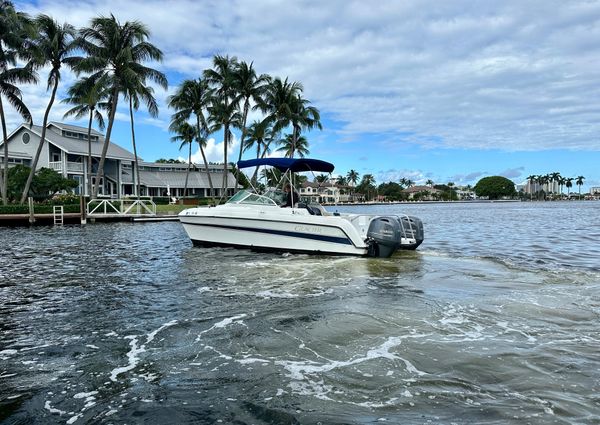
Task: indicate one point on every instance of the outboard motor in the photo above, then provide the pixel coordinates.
(384, 234)
(411, 228)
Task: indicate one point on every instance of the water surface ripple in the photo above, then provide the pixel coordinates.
(493, 320)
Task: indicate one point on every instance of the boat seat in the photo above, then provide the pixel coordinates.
(312, 210)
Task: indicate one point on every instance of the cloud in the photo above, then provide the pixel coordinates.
(513, 173)
(515, 76)
(394, 175)
(214, 152)
(468, 178)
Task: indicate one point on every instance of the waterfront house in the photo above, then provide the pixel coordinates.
(424, 193)
(66, 151)
(326, 192)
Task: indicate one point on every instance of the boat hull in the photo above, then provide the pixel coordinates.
(305, 234)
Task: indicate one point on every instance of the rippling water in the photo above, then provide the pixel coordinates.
(494, 319)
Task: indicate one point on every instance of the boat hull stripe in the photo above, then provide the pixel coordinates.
(333, 239)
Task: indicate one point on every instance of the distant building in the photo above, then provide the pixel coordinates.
(535, 187)
(465, 194)
(326, 192)
(428, 193)
(594, 191)
(66, 151)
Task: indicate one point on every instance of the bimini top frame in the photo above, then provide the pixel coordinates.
(288, 166)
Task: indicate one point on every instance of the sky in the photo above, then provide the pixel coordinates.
(451, 91)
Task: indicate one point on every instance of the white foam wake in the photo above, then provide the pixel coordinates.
(133, 355)
(303, 373)
(222, 324)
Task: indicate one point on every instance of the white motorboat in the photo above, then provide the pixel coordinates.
(257, 221)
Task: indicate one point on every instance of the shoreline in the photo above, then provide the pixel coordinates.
(476, 201)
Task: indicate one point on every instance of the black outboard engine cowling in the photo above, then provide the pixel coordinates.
(384, 234)
(411, 228)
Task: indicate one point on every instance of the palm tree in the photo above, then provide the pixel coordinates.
(561, 183)
(249, 87)
(53, 45)
(304, 117)
(259, 134)
(543, 181)
(352, 176)
(450, 186)
(116, 52)
(430, 183)
(284, 106)
(193, 98)
(569, 184)
(224, 103)
(278, 100)
(579, 182)
(342, 181)
(321, 178)
(554, 177)
(532, 179)
(409, 183)
(186, 134)
(89, 97)
(272, 176)
(368, 183)
(135, 92)
(15, 32)
(288, 146)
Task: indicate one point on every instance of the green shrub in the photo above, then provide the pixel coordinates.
(161, 200)
(14, 209)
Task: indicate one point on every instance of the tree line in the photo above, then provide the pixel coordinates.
(110, 60)
(548, 181)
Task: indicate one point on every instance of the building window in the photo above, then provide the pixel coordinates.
(26, 137)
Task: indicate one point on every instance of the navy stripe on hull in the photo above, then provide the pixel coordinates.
(270, 250)
(322, 238)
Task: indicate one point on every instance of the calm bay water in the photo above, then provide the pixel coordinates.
(494, 319)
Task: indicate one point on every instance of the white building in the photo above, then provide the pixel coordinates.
(534, 187)
(66, 151)
(327, 192)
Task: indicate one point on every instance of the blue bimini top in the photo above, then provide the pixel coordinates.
(289, 164)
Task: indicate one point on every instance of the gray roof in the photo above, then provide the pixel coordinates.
(174, 179)
(13, 154)
(80, 147)
(75, 128)
(182, 166)
(415, 189)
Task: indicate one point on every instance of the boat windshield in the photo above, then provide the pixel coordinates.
(247, 197)
(277, 195)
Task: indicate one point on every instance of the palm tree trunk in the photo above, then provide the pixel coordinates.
(40, 146)
(4, 179)
(210, 183)
(255, 175)
(187, 174)
(111, 120)
(89, 158)
(244, 118)
(225, 148)
(137, 168)
(295, 140)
